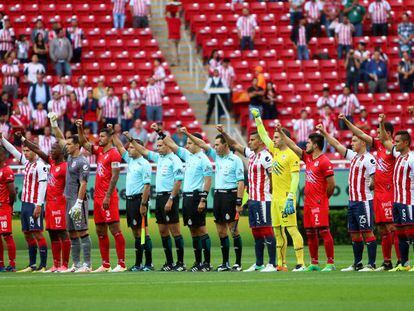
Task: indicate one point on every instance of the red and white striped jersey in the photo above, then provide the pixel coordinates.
(323, 101)
(362, 167)
(153, 95)
(344, 33)
(9, 72)
(227, 74)
(303, 128)
(313, 11)
(140, 7)
(119, 6)
(379, 11)
(57, 106)
(34, 172)
(302, 36)
(4, 129)
(64, 90)
(81, 94)
(246, 25)
(110, 106)
(159, 73)
(403, 178)
(258, 174)
(134, 95)
(348, 103)
(76, 36)
(6, 39)
(39, 118)
(46, 142)
(52, 35)
(25, 110)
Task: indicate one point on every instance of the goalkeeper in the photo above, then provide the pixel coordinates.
(285, 181)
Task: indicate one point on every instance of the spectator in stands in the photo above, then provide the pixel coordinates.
(22, 48)
(406, 73)
(362, 122)
(383, 56)
(405, 34)
(325, 99)
(331, 10)
(4, 126)
(214, 62)
(313, 11)
(227, 74)
(10, 75)
(269, 102)
(295, 11)
(118, 13)
(110, 107)
(39, 92)
(343, 34)
(159, 74)
(328, 121)
(39, 28)
(73, 111)
(261, 80)
(153, 101)
(76, 36)
(139, 132)
(39, 119)
(352, 66)
(32, 69)
(18, 121)
(25, 108)
(300, 37)
(246, 28)
(100, 90)
(152, 138)
(7, 38)
(379, 12)
(41, 50)
(63, 88)
(303, 127)
(81, 91)
(127, 112)
(135, 98)
(256, 95)
(2, 14)
(179, 137)
(377, 74)
(212, 83)
(141, 13)
(90, 113)
(5, 105)
(61, 54)
(46, 140)
(58, 107)
(363, 55)
(356, 15)
(55, 29)
(348, 104)
(172, 17)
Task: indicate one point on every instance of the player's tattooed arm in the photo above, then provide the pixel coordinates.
(12, 193)
(112, 184)
(117, 142)
(356, 131)
(230, 141)
(34, 147)
(332, 140)
(199, 142)
(289, 142)
(383, 134)
(330, 185)
(141, 149)
(82, 138)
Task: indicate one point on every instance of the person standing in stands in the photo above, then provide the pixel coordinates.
(246, 25)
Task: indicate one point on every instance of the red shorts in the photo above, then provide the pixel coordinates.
(315, 217)
(383, 207)
(6, 215)
(55, 214)
(106, 216)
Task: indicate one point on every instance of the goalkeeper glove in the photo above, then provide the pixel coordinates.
(255, 112)
(289, 208)
(53, 119)
(76, 211)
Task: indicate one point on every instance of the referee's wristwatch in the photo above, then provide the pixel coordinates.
(171, 198)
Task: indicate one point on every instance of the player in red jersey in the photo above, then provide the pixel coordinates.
(55, 209)
(106, 201)
(7, 198)
(319, 187)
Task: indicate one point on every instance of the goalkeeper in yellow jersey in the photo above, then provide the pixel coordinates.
(285, 181)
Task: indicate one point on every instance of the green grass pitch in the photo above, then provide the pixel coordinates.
(206, 291)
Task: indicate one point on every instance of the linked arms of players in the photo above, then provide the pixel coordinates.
(382, 133)
(331, 140)
(10, 148)
(230, 141)
(141, 149)
(289, 142)
(356, 131)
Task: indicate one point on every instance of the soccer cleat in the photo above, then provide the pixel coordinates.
(206, 267)
(2, 269)
(223, 268)
(353, 268)
(167, 267)
(68, 270)
(117, 269)
(102, 269)
(329, 267)
(411, 270)
(148, 268)
(312, 267)
(399, 268)
(254, 268)
(299, 268)
(236, 268)
(27, 269)
(136, 268)
(180, 267)
(282, 268)
(386, 266)
(10, 269)
(62, 269)
(52, 270)
(367, 268)
(40, 270)
(196, 267)
(269, 268)
(84, 269)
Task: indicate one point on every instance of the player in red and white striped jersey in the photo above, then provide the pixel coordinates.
(259, 180)
(33, 198)
(7, 37)
(246, 28)
(141, 13)
(39, 117)
(360, 208)
(81, 91)
(379, 11)
(303, 127)
(10, 74)
(63, 88)
(343, 32)
(110, 106)
(76, 35)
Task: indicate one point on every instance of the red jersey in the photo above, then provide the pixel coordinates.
(317, 170)
(385, 168)
(6, 177)
(105, 162)
(56, 180)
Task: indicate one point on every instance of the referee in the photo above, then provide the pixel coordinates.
(229, 187)
(138, 186)
(167, 186)
(196, 185)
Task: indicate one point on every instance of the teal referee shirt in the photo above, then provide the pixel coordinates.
(169, 170)
(138, 174)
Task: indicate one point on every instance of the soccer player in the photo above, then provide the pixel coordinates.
(403, 179)
(384, 189)
(319, 187)
(167, 186)
(138, 187)
(285, 182)
(196, 185)
(228, 194)
(360, 208)
(7, 198)
(106, 201)
(260, 219)
(33, 197)
(55, 212)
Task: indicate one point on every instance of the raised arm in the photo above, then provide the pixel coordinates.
(357, 131)
(231, 141)
(10, 148)
(331, 140)
(56, 130)
(167, 139)
(289, 142)
(82, 138)
(382, 133)
(199, 142)
(141, 149)
(117, 142)
(35, 148)
(264, 136)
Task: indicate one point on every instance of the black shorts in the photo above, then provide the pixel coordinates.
(403, 214)
(172, 217)
(224, 208)
(191, 216)
(134, 218)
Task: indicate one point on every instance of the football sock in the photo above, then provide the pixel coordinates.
(148, 250)
(238, 248)
(372, 250)
(1, 253)
(76, 249)
(259, 248)
(197, 249)
(167, 245)
(396, 245)
(11, 249)
(66, 245)
(56, 251)
(404, 246)
(120, 248)
(271, 248)
(32, 247)
(104, 250)
(386, 243)
(86, 244)
(328, 242)
(358, 248)
(297, 244)
(42, 244)
(179, 245)
(313, 242)
(281, 245)
(138, 251)
(225, 249)
(206, 245)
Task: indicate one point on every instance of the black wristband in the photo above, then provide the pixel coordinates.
(239, 201)
(161, 135)
(203, 194)
(130, 139)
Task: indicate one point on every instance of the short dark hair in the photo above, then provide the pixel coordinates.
(286, 132)
(106, 130)
(222, 139)
(405, 136)
(110, 87)
(75, 139)
(198, 135)
(139, 141)
(388, 127)
(226, 60)
(317, 139)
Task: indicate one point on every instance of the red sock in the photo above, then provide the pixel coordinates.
(328, 242)
(104, 249)
(396, 245)
(41, 243)
(56, 249)
(11, 249)
(313, 244)
(386, 245)
(1, 253)
(65, 251)
(120, 248)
